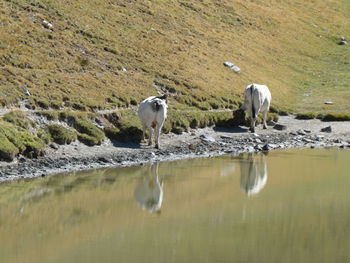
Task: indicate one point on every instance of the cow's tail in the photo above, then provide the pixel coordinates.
(252, 98)
(156, 105)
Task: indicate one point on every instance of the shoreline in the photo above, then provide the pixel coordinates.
(206, 142)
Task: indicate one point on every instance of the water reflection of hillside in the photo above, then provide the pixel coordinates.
(253, 173)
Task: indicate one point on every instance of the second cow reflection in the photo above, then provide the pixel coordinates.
(148, 193)
(253, 174)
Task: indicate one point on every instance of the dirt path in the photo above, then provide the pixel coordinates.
(195, 143)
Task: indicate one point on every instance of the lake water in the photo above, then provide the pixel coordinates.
(287, 206)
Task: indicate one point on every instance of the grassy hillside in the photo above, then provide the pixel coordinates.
(109, 55)
(177, 47)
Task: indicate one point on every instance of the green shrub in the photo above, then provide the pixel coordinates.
(88, 140)
(306, 116)
(19, 118)
(88, 132)
(60, 134)
(49, 115)
(336, 117)
(8, 150)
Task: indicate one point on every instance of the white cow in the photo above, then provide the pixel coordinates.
(152, 113)
(148, 193)
(256, 98)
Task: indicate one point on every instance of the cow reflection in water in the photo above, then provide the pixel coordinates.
(253, 174)
(149, 191)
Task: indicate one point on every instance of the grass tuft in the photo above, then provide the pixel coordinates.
(60, 134)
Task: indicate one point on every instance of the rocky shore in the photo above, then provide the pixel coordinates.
(290, 133)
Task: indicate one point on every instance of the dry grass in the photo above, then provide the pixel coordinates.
(180, 45)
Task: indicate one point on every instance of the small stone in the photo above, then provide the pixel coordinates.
(268, 147)
(301, 132)
(307, 140)
(103, 159)
(54, 146)
(46, 24)
(26, 92)
(338, 141)
(280, 127)
(343, 42)
(271, 123)
(329, 103)
(206, 138)
(225, 137)
(192, 147)
(258, 147)
(326, 129)
(307, 130)
(293, 133)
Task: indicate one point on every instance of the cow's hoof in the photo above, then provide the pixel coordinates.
(252, 130)
(156, 146)
(264, 127)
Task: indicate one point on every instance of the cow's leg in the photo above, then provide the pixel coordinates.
(158, 128)
(143, 131)
(150, 129)
(264, 119)
(252, 124)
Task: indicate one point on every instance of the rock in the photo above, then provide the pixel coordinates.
(258, 147)
(343, 42)
(192, 147)
(301, 132)
(271, 123)
(329, 103)
(103, 159)
(206, 138)
(268, 147)
(26, 92)
(326, 129)
(257, 140)
(305, 95)
(232, 66)
(308, 140)
(307, 130)
(226, 137)
(46, 24)
(280, 127)
(293, 133)
(319, 137)
(54, 146)
(338, 141)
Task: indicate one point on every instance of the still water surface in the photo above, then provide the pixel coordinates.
(287, 206)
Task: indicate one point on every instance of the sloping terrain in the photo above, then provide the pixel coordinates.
(84, 66)
(102, 54)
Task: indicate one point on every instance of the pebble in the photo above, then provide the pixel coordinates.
(301, 132)
(206, 138)
(280, 127)
(326, 129)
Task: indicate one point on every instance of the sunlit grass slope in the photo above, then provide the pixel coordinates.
(174, 46)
